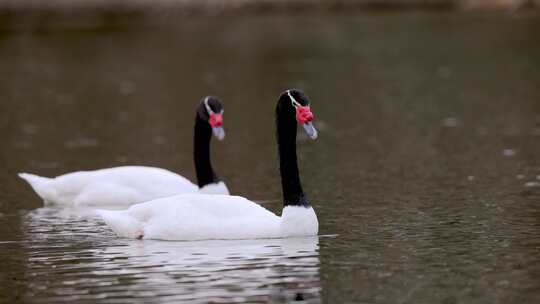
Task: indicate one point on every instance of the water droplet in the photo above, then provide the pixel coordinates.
(29, 129)
(82, 142)
(520, 176)
(444, 72)
(210, 78)
(127, 87)
(508, 152)
(159, 140)
(123, 116)
(532, 184)
(22, 144)
(450, 122)
(511, 130)
(481, 131)
(470, 178)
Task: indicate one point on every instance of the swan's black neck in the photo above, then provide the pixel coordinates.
(293, 195)
(201, 153)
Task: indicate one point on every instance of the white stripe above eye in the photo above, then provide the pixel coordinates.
(208, 109)
(293, 101)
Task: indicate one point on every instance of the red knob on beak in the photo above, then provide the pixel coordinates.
(303, 114)
(216, 120)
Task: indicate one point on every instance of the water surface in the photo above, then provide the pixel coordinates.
(425, 177)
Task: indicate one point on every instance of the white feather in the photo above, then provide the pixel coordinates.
(114, 187)
(200, 217)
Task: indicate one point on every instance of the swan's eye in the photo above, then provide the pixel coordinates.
(209, 109)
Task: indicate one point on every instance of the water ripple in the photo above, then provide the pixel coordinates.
(72, 257)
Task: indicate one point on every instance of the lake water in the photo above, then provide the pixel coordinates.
(425, 176)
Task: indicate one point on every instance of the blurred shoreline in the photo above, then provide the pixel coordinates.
(95, 14)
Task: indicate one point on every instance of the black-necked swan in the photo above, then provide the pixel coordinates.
(198, 217)
(127, 185)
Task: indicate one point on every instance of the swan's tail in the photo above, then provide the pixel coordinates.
(41, 185)
(122, 223)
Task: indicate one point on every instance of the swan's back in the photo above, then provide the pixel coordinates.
(119, 186)
(149, 178)
(194, 217)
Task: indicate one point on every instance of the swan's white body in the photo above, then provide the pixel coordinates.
(200, 217)
(115, 187)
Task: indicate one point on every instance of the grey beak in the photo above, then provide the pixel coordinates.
(310, 130)
(219, 132)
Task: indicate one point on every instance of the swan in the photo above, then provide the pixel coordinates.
(200, 217)
(127, 185)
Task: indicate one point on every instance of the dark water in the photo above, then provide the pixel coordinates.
(425, 178)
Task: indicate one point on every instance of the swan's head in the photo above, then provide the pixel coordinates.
(211, 110)
(299, 104)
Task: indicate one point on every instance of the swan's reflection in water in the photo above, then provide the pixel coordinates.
(72, 257)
